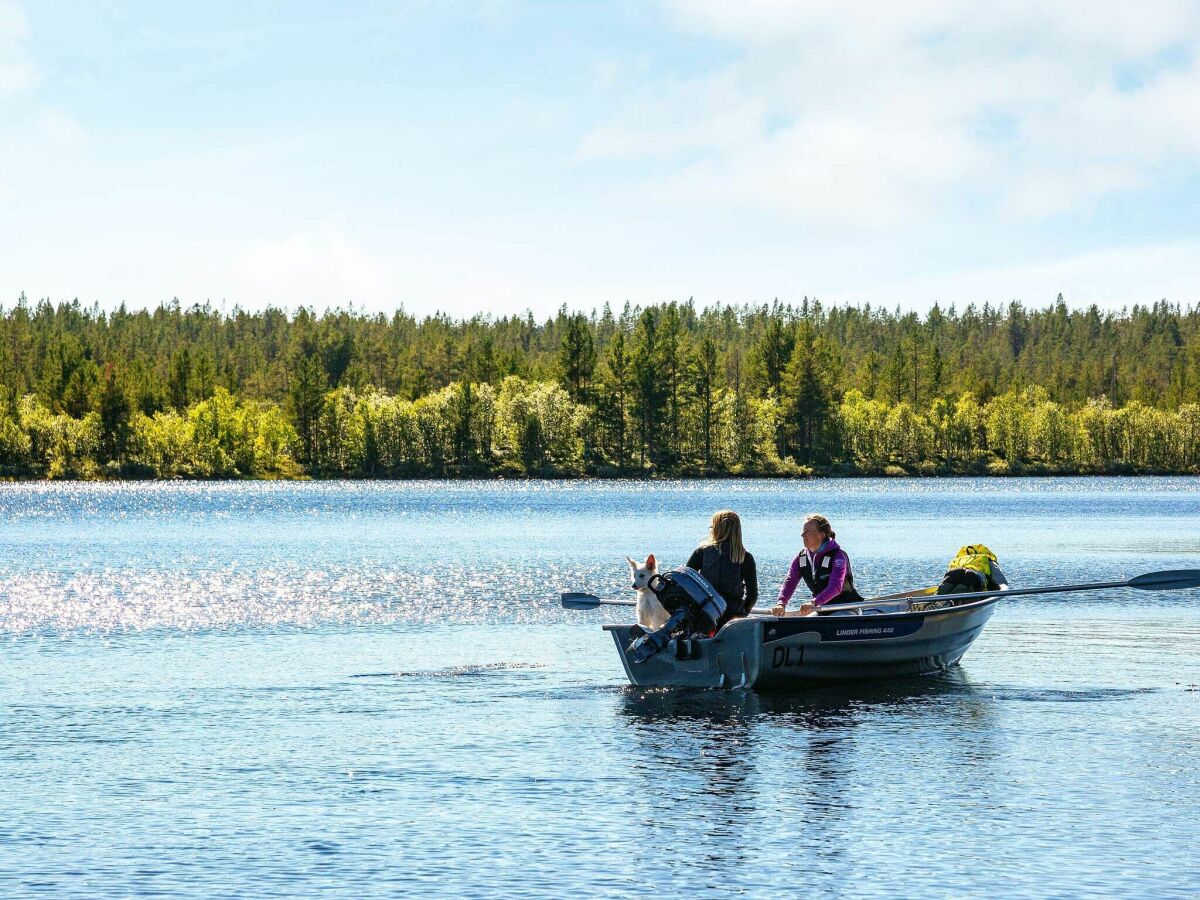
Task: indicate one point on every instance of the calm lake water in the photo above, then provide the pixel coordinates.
(361, 690)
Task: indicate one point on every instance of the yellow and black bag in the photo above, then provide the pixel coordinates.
(969, 571)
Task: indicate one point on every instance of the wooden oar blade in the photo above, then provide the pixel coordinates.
(1173, 580)
(574, 600)
(904, 595)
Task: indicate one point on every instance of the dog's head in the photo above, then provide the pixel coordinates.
(642, 572)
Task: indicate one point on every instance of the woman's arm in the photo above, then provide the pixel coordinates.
(750, 577)
(696, 560)
(789, 583)
(837, 581)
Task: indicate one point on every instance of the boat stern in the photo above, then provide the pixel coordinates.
(728, 660)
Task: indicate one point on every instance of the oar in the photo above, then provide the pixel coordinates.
(1172, 580)
(575, 600)
(904, 595)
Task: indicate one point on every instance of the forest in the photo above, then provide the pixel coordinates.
(660, 391)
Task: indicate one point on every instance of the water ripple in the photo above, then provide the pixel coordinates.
(362, 690)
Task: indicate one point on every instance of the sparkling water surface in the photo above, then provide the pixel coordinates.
(368, 689)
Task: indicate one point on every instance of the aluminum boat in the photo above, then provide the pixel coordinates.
(777, 653)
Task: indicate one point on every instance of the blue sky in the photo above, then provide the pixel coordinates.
(494, 156)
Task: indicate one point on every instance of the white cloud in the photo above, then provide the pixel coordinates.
(34, 140)
(1108, 26)
(336, 265)
(944, 128)
(322, 267)
(17, 71)
(38, 148)
(1110, 278)
(874, 113)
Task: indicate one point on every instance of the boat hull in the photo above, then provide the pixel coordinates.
(769, 653)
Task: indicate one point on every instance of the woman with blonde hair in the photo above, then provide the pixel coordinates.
(727, 565)
(823, 565)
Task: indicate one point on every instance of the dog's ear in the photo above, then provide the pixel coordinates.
(650, 563)
(631, 562)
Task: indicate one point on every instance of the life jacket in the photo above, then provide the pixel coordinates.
(818, 580)
(970, 570)
(726, 576)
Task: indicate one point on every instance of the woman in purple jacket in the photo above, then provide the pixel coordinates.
(824, 567)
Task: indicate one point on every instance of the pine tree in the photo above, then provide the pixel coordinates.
(577, 357)
(807, 400)
(707, 373)
(614, 400)
(674, 365)
(649, 388)
(113, 406)
(306, 396)
(770, 356)
(463, 411)
(180, 378)
(204, 377)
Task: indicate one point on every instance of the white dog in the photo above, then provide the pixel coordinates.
(650, 613)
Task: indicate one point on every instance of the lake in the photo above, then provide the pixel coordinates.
(368, 689)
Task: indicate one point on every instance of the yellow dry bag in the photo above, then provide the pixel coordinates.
(975, 557)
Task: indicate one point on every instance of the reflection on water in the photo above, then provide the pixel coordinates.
(813, 707)
(806, 756)
(361, 690)
(137, 557)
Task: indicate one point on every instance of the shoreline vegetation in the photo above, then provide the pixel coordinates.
(661, 392)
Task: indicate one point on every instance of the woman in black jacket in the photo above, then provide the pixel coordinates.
(727, 565)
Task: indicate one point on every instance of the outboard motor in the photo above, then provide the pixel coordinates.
(694, 605)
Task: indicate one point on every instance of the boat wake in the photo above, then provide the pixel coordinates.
(1057, 695)
(456, 671)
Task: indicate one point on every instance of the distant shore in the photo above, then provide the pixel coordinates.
(987, 469)
(668, 391)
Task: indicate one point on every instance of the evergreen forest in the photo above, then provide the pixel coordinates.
(664, 390)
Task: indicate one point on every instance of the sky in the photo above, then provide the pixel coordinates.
(493, 156)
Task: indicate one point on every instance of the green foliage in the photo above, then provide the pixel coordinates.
(14, 446)
(539, 427)
(339, 435)
(306, 400)
(769, 356)
(113, 407)
(74, 446)
(707, 375)
(807, 397)
(161, 443)
(220, 437)
(648, 360)
(577, 356)
(667, 389)
(612, 406)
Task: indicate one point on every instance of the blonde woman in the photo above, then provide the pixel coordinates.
(727, 565)
(823, 565)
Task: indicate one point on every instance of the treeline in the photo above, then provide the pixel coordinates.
(667, 389)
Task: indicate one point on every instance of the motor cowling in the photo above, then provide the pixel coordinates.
(695, 607)
(686, 589)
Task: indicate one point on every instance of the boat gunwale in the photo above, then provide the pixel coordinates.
(945, 610)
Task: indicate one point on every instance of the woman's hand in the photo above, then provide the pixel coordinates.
(806, 609)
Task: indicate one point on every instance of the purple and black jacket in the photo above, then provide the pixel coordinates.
(826, 573)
